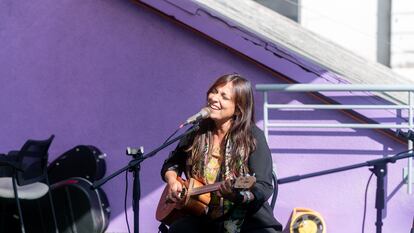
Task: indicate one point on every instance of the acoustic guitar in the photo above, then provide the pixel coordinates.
(195, 198)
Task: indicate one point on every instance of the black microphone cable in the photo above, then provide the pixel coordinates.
(126, 181)
(126, 185)
(126, 172)
(175, 132)
(125, 200)
(171, 136)
(365, 202)
(366, 191)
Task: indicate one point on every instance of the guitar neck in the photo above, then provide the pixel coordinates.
(205, 189)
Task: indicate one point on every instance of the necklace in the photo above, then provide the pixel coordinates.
(215, 152)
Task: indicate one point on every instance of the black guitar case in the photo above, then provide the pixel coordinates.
(81, 161)
(79, 208)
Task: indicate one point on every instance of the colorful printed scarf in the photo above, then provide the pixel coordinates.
(219, 206)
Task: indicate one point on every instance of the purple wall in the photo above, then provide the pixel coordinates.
(114, 74)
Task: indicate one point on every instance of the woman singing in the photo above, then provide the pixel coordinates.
(227, 145)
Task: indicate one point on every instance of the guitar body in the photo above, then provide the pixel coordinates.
(168, 212)
(195, 198)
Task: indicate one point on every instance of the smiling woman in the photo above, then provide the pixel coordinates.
(221, 103)
(227, 146)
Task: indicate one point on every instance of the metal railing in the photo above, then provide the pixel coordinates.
(265, 88)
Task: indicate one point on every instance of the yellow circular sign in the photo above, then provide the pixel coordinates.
(306, 221)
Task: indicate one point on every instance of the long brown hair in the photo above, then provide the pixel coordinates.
(240, 132)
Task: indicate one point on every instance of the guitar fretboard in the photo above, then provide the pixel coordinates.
(205, 189)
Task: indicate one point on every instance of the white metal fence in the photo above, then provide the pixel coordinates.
(265, 88)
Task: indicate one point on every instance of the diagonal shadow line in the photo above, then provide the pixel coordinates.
(396, 189)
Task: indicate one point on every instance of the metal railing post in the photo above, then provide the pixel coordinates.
(410, 144)
(265, 116)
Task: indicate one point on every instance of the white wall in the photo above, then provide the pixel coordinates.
(351, 24)
(402, 37)
(385, 36)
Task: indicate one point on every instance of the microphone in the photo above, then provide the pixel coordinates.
(409, 135)
(204, 113)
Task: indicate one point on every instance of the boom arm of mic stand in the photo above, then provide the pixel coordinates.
(339, 169)
(134, 162)
(320, 173)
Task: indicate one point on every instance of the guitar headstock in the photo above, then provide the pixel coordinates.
(244, 182)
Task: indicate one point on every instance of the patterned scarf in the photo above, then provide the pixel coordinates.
(219, 206)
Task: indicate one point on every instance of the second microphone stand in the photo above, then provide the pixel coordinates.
(379, 169)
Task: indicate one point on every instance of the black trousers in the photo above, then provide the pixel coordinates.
(193, 224)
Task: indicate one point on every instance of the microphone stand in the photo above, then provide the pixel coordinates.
(135, 166)
(379, 169)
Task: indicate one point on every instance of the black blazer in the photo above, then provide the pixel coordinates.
(260, 214)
